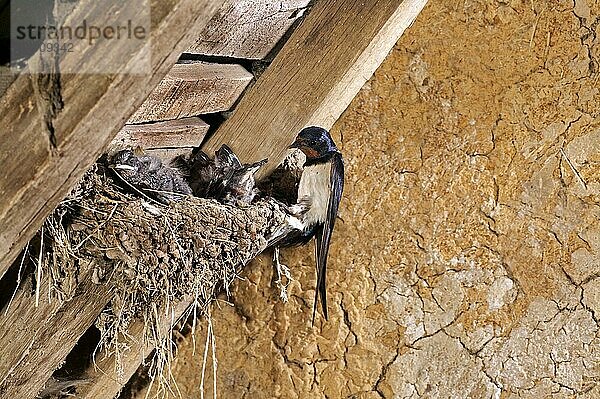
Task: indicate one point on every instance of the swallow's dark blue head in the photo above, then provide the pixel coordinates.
(315, 142)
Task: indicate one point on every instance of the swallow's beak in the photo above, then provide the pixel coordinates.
(123, 167)
(257, 165)
(297, 144)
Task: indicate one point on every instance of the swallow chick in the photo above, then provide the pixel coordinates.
(240, 186)
(208, 177)
(233, 181)
(319, 194)
(225, 165)
(226, 161)
(225, 178)
(148, 174)
(199, 170)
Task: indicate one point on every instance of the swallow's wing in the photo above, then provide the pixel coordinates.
(225, 158)
(323, 234)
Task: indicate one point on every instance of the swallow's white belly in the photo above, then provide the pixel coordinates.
(314, 189)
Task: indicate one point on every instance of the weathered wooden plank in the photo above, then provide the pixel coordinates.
(103, 382)
(248, 28)
(314, 77)
(42, 157)
(169, 154)
(193, 88)
(34, 341)
(6, 78)
(184, 132)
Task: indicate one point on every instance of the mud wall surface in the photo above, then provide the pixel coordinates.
(466, 260)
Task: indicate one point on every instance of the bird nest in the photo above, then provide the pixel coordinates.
(151, 255)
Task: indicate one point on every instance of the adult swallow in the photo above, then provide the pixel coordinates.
(319, 194)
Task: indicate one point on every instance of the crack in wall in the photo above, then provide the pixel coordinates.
(477, 257)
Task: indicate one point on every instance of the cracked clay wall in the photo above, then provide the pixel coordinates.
(466, 260)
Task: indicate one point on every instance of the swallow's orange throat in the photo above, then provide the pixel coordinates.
(310, 152)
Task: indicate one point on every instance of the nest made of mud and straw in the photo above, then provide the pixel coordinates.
(150, 255)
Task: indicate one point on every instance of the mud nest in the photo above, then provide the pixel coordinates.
(151, 255)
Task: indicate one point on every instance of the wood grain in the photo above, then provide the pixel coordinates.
(103, 382)
(194, 88)
(169, 154)
(37, 172)
(248, 28)
(6, 78)
(314, 77)
(184, 132)
(34, 341)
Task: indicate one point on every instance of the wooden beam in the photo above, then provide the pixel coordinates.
(184, 132)
(169, 154)
(44, 154)
(103, 384)
(248, 29)
(314, 77)
(34, 341)
(194, 88)
(6, 78)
